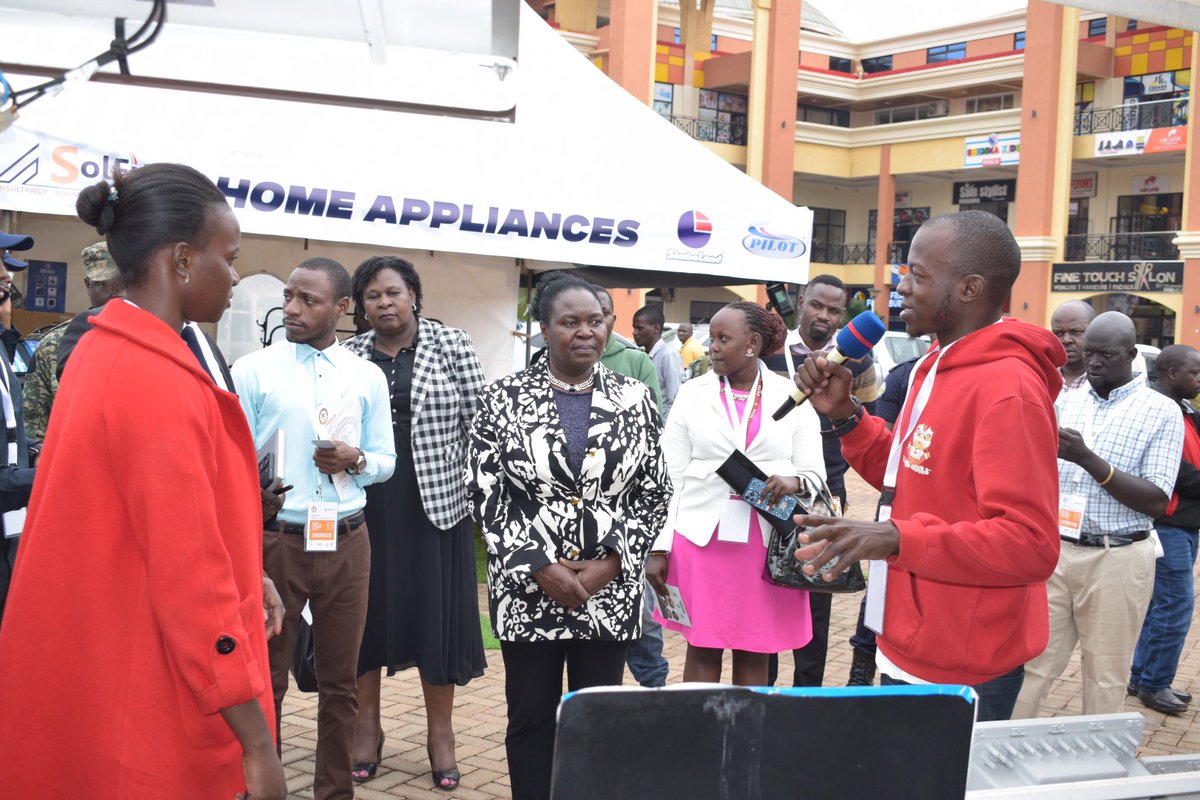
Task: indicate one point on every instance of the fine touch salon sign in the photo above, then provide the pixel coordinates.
(1119, 276)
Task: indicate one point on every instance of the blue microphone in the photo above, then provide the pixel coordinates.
(853, 342)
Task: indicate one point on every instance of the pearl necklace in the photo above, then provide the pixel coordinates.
(563, 386)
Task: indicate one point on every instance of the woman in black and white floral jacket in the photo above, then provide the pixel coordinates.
(567, 481)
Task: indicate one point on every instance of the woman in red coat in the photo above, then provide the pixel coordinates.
(133, 655)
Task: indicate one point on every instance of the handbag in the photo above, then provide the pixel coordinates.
(782, 568)
(304, 661)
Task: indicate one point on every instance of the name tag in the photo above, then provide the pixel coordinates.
(1070, 515)
(321, 528)
(735, 521)
(14, 522)
(877, 574)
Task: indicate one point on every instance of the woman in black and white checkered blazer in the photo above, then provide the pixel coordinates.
(423, 609)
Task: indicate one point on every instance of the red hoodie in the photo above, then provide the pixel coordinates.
(976, 506)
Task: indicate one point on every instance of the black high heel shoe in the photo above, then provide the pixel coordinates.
(363, 771)
(446, 780)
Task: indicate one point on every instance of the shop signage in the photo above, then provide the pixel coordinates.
(1083, 185)
(969, 193)
(1151, 184)
(46, 286)
(1118, 276)
(1134, 143)
(993, 150)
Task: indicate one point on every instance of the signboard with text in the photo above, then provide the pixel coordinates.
(46, 286)
(1118, 276)
(968, 193)
(1083, 185)
(993, 150)
(1133, 143)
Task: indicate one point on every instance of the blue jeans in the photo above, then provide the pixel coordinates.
(645, 658)
(1170, 614)
(996, 697)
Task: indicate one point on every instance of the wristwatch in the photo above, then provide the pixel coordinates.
(359, 465)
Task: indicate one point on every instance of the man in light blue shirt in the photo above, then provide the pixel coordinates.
(316, 546)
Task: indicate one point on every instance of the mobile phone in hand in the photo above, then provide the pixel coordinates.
(783, 507)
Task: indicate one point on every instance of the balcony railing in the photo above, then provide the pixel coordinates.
(1155, 114)
(855, 252)
(710, 130)
(1121, 246)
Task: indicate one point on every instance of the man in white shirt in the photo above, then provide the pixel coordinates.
(315, 546)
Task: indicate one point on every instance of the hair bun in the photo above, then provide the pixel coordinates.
(94, 207)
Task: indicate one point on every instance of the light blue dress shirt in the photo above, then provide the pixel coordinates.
(282, 386)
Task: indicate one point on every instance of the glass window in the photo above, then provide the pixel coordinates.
(1131, 25)
(877, 64)
(829, 226)
(1097, 27)
(823, 116)
(676, 39)
(990, 102)
(838, 64)
(1019, 41)
(946, 52)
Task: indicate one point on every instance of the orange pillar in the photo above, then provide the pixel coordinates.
(576, 15)
(1187, 326)
(779, 99)
(1044, 173)
(631, 42)
(886, 203)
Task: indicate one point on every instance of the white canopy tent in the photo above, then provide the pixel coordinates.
(584, 174)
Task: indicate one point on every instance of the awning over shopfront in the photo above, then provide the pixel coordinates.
(584, 174)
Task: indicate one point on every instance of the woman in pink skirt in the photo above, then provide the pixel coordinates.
(713, 547)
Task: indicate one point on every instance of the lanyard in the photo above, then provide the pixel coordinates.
(906, 426)
(742, 424)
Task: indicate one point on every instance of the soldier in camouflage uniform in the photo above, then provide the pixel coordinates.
(103, 282)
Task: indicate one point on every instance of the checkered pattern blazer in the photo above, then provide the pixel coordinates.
(446, 381)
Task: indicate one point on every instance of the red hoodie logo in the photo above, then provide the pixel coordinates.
(917, 452)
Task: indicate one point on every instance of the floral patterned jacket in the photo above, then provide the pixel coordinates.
(533, 511)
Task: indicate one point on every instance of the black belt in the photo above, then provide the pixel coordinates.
(1114, 539)
(345, 525)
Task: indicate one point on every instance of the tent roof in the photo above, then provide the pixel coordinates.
(584, 174)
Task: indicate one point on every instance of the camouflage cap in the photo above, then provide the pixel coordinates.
(98, 264)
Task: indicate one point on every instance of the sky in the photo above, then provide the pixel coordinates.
(872, 20)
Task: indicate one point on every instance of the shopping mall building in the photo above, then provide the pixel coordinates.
(1070, 126)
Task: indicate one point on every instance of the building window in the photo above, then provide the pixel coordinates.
(823, 116)
(677, 35)
(886, 116)
(1131, 25)
(712, 45)
(838, 64)
(829, 226)
(989, 102)
(877, 64)
(701, 311)
(1019, 41)
(1097, 27)
(946, 52)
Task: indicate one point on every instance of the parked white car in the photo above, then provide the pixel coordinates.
(895, 348)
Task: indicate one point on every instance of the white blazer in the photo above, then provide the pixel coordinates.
(698, 437)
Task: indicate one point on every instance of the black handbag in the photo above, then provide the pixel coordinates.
(304, 661)
(782, 568)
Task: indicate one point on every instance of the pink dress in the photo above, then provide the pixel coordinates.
(730, 604)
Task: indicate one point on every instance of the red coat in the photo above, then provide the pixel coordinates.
(140, 566)
(976, 506)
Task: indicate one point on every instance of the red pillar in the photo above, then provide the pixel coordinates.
(886, 203)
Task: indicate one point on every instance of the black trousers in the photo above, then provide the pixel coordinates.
(533, 686)
(810, 659)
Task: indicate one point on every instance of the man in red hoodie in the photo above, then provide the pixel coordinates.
(967, 532)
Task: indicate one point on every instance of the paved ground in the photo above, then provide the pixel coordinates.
(480, 712)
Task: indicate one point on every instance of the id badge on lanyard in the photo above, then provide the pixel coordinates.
(321, 527)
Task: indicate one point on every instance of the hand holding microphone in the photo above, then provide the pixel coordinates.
(853, 342)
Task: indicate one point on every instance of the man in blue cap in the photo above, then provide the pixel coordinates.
(16, 474)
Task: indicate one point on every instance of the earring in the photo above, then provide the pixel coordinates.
(414, 307)
(186, 277)
(749, 353)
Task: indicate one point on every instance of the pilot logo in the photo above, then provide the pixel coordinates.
(695, 229)
(772, 245)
